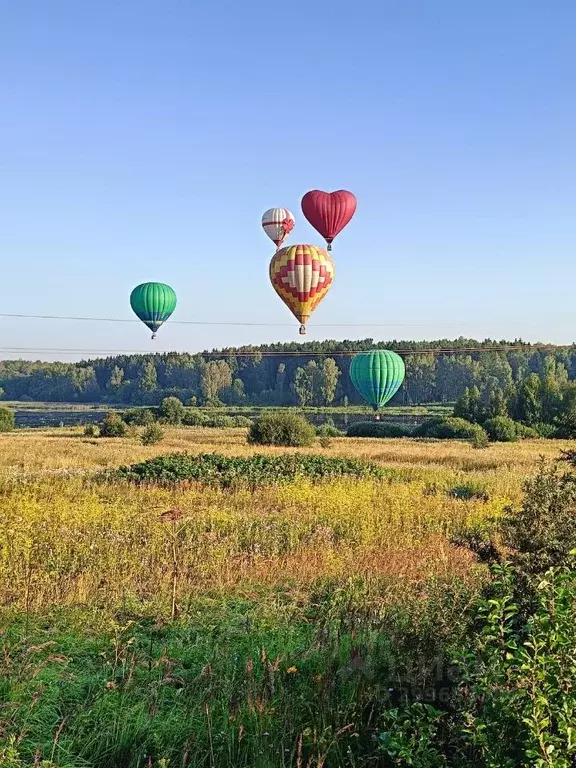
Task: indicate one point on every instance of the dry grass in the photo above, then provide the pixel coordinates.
(65, 539)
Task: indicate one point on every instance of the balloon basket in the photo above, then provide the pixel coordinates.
(302, 330)
(329, 248)
(153, 335)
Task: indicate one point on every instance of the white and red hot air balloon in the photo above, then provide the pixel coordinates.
(278, 223)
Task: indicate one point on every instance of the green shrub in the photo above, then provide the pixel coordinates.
(220, 422)
(91, 430)
(152, 434)
(227, 471)
(281, 429)
(172, 410)
(194, 418)
(480, 440)
(242, 421)
(140, 417)
(541, 534)
(501, 429)
(6, 419)
(449, 428)
(526, 433)
(112, 426)
(541, 429)
(378, 429)
(328, 430)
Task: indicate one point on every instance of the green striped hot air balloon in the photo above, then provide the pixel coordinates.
(377, 375)
(153, 303)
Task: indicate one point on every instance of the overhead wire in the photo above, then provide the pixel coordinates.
(232, 323)
(243, 352)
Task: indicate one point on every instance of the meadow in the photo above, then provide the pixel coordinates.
(260, 625)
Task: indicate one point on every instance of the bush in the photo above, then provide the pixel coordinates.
(140, 417)
(6, 419)
(450, 428)
(544, 430)
(152, 434)
(501, 429)
(194, 418)
(542, 533)
(172, 410)
(328, 430)
(91, 430)
(378, 429)
(220, 422)
(281, 429)
(242, 421)
(112, 426)
(526, 433)
(227, 471)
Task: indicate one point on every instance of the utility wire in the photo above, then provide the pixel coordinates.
(233, 323)
(291, 353)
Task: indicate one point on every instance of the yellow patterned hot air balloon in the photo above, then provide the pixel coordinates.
(301, 275)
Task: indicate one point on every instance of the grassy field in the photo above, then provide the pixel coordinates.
(195, 626)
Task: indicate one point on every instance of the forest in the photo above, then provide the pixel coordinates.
(277, 375)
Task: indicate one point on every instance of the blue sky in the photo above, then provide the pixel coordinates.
(143, 139)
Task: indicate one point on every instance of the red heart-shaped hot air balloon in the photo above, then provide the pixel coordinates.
(328, 212)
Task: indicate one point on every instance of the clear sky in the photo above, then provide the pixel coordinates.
(143, 139)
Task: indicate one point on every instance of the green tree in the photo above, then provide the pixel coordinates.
(172, 410)
(149, 379)
(529, 400)
(116, 380)
(6, 419)
(328, 381)
(215, 376)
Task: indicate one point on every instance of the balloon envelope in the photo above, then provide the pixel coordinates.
(377, 375)
(278, 223)
(301, 275)
(153, 303)
(328, 212)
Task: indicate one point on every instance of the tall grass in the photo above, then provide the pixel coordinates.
(204, 626)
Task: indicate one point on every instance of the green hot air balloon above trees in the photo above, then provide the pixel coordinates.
(377, 375)
(153, 303)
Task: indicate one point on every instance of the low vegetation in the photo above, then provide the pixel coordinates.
(226, 471)
(394, 603)
(285, 429)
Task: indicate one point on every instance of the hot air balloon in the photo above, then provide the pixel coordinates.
(377, 375)
(328, 212)
(278, 223)
(301, 275)
(153, 303)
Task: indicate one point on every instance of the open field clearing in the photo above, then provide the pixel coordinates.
(252, 626)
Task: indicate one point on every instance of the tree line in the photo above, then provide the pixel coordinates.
(287, 377)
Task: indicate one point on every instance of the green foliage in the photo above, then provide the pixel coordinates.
(242, 422)
(220, 422)
(378, 429)
(91, 430)
(194, 418)
(328, 430)
(112, 425)
(226, 471)
(501, 429)
(541, 534)
(410, 736)
(449, 429)
(172, 410)
(139, 417)
(6, 419)
(287, 429)
(152, 434)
